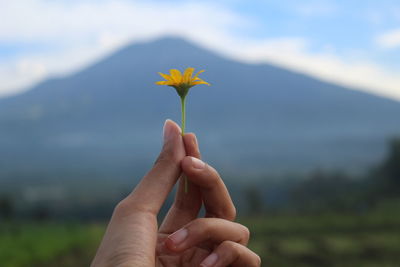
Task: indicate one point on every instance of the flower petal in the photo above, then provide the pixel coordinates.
(176, 76)
(197, 74)
(162, 83)
(200, 82)
(188, 75)
(165, 76)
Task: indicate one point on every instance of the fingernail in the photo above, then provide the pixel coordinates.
(179, 236)
(210, 260)
(197, 164)
(195, 141)
(167, 130)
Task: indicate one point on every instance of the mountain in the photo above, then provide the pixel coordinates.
(255, 118)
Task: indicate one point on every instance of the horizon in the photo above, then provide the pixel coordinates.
(194, 44)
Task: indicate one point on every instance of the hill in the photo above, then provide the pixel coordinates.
(255, 118)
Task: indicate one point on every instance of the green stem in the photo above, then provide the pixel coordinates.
(183, 115)
(183, 133)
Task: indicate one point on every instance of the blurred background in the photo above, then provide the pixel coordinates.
(302, 121)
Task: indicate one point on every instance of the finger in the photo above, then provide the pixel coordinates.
(191, 145)
(217, 201)
(203, 230)
(153, 189)
(232, 254)
(187, 204)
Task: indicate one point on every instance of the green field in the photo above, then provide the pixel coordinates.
(328, 240)
(48, 244)
(371, 239)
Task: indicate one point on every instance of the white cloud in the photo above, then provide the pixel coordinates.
(57, 20)
(365, 76)
(390, 39)
(20, 74)
(87, 30)
(293, 54)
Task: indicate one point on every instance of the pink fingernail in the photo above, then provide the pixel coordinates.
(210, 260)
(197, 164)
(179, 236)
(167, 130)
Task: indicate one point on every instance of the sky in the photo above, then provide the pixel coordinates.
(355, 43)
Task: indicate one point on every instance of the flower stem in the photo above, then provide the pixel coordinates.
(183, 115)
(183, 133)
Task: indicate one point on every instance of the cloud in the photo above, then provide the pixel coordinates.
(295, 54)
(84, 31)
(27, 20)
(389, 40)
(20, 74)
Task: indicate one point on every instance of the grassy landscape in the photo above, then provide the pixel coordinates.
(371, 239)
(325, 220)
(48, 244)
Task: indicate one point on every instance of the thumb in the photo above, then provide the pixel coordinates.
(150, 194)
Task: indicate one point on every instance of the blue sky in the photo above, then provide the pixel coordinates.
(344, 25)
(354, 43)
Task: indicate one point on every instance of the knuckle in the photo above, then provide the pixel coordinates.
(169, 155)
(128, 206)
(238, 251)
(201, 223)
(227, 212)
(200, 227)
(215, 178)
(229, 246)
(165, 157)
(121, 208)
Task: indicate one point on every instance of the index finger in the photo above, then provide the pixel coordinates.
(150, 194)
(216, 198)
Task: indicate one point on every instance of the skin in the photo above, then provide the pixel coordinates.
(133, 237)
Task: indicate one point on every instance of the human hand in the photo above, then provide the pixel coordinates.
(133, 238)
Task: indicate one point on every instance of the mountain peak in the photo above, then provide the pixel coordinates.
(258, 117)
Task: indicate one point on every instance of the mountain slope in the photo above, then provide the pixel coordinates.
(253, 119)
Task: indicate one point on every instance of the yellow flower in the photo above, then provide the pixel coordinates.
(180, 82)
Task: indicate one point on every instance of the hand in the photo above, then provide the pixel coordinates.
(132, 237)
